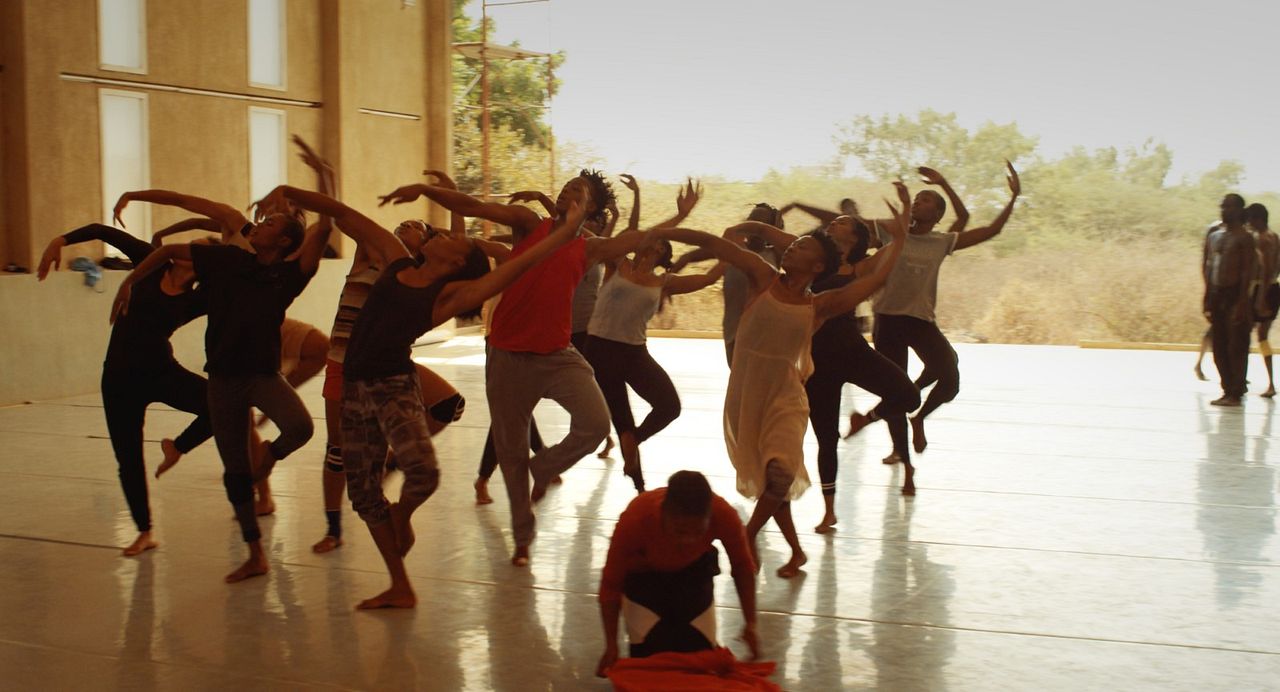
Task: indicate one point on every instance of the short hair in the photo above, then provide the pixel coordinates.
(1234, 198)
(601, 193)
(830, 254)
(766, 213)
(1256, 212)
(474, 266)
(688, 495)
(295, 230)
(941, 201)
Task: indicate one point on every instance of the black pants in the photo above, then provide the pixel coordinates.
(1230, 339)
(125, 397)
(894, 334)
(617, 366)
(856, 363)
(677, 598)
(489, 457)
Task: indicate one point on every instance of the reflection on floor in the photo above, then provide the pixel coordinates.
(1085, 519)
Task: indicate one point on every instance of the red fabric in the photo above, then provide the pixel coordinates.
(639, 545)
(536, 311)
(713, 669)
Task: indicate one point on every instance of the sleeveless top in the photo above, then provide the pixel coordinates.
(623, 310)
(394, 316)
(536, 310)
(354, 294)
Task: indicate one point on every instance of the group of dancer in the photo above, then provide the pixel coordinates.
(1240, 264)
(791, 334)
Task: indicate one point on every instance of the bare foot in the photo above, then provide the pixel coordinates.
(171, 456)
(1270, 393)
(253, 567)
(140, 545)
(521, 556)
(403, 528)
(608, 447)
(482, 492)
(893, 458)
(792, 568)
(857, 421)
(537, 492)
(631, 459)
(264, 507)
(557, 480)
(918, 440)
(327, 544)
(909, 483)
(827, 525)
(264, 462)
(1200, 373)
(391, 598)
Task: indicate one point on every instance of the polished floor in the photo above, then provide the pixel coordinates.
(1084, 520)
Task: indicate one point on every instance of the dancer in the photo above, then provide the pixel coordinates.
(140, 369)
(248, 294)
(1267, 295)
(660, 568)
(529, 356)
(382, 401)
(766, 410)
(904, 311)
(1230, 267)
(617, 347)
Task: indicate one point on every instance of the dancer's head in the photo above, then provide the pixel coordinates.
(814, 254)
(851, 237)
(591, 190)
(763, 212)
(686, 509)
(848, 207)
(1256, 216)
(928, 207)
(413, 233)
(653, 253)
(1232, 207)
(279, 231)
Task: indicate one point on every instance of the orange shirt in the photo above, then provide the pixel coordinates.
(536, 310)
(639, 545)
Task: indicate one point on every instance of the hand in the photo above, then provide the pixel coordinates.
(309, 155)
(931, 176)
(525, 196)
(904, 195)
(607, 659)
(274, 202)
(573, 217)
(688, 197)
(1015, 185)
(750, 638)
(119, 209)
(680, 263)
(442, 179)
(629, 182)
(120, 306)
(402, 195)
(52, 256)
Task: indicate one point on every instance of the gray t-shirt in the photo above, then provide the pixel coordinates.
(736, 289)
(912, 286)
(584, 298)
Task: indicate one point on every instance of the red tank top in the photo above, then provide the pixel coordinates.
(536, 311)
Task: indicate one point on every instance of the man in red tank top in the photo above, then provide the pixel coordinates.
(530, 357)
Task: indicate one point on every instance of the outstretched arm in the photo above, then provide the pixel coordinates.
(933, 177)
(520, 219)
(828, 304)
(823, 216)
(771, 235)
(133, 248)
(678, 285)
(192, 224)
(228, 217)
(531, 196)
(633, 220)
(981, 235)
(460, 296)
(379, 243)
(758, 271)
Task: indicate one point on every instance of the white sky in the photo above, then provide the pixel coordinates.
(664, 88)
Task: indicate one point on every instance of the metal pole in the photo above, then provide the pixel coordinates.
(486, 188)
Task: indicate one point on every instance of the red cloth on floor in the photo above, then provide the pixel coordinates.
(713, 669)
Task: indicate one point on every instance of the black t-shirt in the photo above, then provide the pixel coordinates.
(247, 302)
(393, 317)
(839, 332)
(140, 337)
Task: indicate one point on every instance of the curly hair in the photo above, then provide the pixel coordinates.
(601, 193)
(830, 254)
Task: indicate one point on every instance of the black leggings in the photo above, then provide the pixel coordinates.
(489, 457)
(125, 397)
(618, 365)
(894, 334)
(858, 364)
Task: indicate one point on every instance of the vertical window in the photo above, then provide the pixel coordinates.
(268, 152)
(122, 35)
(267, 43)
(123, 128)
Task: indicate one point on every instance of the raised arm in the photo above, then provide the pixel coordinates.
(758, 271)
(136, 250)
(981, 235)
(457, 222)
(678, 285)
(518, 218)
(196, 223)
(633, 219)
(829, 304)
(228, 217)
(158, 258)
(379, 243)
(460, 296)
(823, 216)
(771, 235)
(532, 196)
(933, 177)
(498, 252)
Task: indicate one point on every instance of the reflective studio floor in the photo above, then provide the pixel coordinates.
(1085, 520)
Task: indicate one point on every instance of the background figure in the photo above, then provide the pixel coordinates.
(1230, 266)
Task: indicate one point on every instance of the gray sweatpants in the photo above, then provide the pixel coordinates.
(515, 383)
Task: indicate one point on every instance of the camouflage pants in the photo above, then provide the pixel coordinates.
(378, 414)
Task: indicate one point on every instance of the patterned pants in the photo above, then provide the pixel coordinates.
(378, 414)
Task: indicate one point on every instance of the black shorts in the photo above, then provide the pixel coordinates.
(1271, 298)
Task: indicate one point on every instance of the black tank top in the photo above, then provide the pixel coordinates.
(393, 317)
